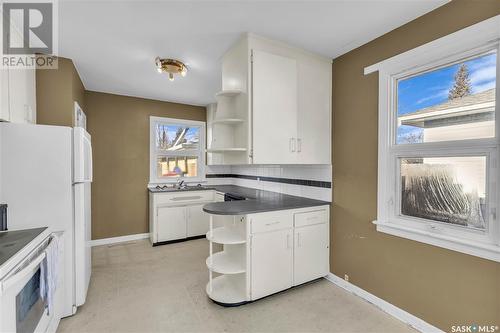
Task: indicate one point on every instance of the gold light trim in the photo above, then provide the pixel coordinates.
(171, 66)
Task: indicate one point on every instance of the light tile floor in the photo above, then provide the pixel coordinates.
(138, 288)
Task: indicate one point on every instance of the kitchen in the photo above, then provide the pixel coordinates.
(231, 178)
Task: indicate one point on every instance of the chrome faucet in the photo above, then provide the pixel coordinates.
(181, 184)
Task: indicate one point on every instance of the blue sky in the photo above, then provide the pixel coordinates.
(432, 88)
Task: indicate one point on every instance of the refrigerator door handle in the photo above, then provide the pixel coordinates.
(83, 172)
(89, 161)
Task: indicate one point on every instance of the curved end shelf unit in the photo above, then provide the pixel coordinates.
(230, 288)
(227, 290)
(226, 235)
(223, 263)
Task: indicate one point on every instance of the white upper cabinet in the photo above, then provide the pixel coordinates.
(4, 95)
(280, 99)
(314, 131)
(274, 99)
(18, 92)
(22, 97)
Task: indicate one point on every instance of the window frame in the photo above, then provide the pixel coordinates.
(154, 153)
(456, 47)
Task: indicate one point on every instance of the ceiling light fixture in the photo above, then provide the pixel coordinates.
(171, 67)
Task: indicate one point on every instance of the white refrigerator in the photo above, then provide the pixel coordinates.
(45, 177)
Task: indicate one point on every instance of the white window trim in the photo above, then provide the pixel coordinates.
(467, 42)
(153, 179)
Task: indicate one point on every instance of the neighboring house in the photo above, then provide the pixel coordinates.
(469, 117)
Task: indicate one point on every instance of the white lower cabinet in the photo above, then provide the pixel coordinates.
(171, 223)
(197, 221)
(283, 249)
(310, 253)
(272, 262)
(177, 216)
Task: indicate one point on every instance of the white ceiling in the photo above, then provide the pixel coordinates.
(114, 43)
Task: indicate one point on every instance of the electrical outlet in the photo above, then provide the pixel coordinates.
(346, 277)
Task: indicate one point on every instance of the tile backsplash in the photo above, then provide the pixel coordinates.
(311, 181)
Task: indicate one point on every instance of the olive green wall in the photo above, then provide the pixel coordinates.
(442, 287)
(119, 126)
(56, 91)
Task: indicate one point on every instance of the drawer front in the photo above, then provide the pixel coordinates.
(271, 221)
(310, 218)
(183, 198)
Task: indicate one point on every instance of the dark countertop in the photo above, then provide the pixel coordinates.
(12, 242)
(258, 201)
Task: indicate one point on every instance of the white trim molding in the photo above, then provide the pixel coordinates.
(121, 239)
(476, 35)
(394, 311)
(478, 249)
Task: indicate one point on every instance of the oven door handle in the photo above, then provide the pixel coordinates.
(13, 279)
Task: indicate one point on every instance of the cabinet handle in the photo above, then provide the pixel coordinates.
(186, 198)
(298, 239)
(287, 241)
(292, 145)
(299, 145)
(271, 223)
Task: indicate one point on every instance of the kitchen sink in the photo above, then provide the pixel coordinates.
(167, 188)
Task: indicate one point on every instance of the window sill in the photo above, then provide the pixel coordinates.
(486, 251)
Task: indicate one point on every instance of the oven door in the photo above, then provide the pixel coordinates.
(21, 308)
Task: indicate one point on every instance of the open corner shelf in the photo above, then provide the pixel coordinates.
(224, 263)
(225, 150)
(227, 289)
(228, 121)
(226, 235)
(228, 93)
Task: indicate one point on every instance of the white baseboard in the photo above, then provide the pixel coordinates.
(121, 239)
(385, 306)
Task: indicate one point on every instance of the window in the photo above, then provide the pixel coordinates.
(439, 142)
(445, 189)
(176, 149)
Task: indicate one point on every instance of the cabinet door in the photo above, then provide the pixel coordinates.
(271, 262)
(197, 221)
(311, 253)
(21, 95)
(314, 112)
(171, 223)
(4, 95)
(274, 108)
